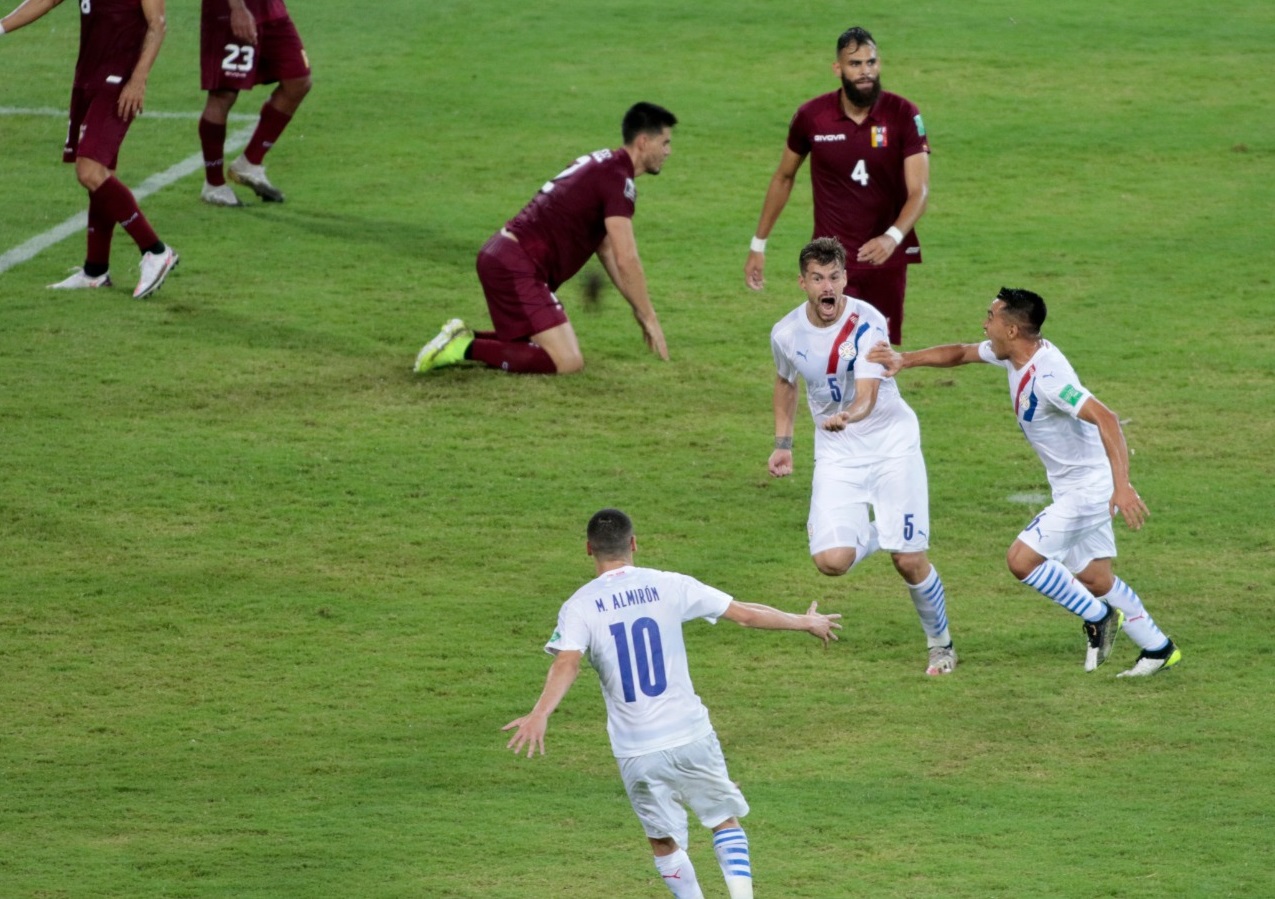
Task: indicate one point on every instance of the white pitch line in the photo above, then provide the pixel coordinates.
(61, 113)
(79, 222)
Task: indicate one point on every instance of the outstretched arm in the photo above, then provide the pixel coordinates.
(26, 13)
(531, 727)
(1123, 497)
(619, 256)
(946, 356)
(754, 614)
(776, 199)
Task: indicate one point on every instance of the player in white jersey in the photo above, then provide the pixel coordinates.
(867, 442)
(1087, 462)
(628, 622)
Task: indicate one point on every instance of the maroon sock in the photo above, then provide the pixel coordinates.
(269, 128)
(485, 335)
(116, 202)
(101, 229)
(213, 139)
(521, 356)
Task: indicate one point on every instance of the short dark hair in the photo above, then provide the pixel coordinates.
(610, 533)
(645, 118)
(856, 36)
(1026, 307)
(822, 250)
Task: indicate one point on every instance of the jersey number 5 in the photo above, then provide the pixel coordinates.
(645, 663)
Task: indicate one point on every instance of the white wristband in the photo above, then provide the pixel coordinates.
(894, 233)
(757, 245)
(1, 27)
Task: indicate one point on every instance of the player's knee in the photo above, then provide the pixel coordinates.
(912, 567)
(570, 364)
(834, 562)
(1020, 561)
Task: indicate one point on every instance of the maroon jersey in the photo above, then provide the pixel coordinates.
(563, 225)
(262, 10)
(856, 170)
(111, 33)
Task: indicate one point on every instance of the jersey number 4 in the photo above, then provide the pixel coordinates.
(640, 655)
(860, 173)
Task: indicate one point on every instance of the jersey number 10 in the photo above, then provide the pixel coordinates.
(645, 663)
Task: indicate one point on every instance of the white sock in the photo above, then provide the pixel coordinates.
(1051, 579)
(930, 600)
(679, 875)
(1138, 623)
(731, 847)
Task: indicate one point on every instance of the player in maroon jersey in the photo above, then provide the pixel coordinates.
(244, 43)
(119, 41)
(586, 209)
(869, 176)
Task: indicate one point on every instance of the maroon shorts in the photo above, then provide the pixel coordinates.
(226, 64)
(884, 289)
(95, 129)
(519, 300)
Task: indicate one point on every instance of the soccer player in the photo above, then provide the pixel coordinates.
(244, 43)
(869, 174)
(1087, 462)
(119, 41)
(867, 442)
(586, 209)
(628, 622)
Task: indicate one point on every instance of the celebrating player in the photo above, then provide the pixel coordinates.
(244, 43)
(869, 174)
(867, 442)
(1087, 462)
(119, 41)
(586, 209)
(628, 621)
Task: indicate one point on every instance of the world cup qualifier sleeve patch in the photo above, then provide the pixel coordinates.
(1070, 395)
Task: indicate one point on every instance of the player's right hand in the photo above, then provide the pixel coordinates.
(824, 624)
(780, 464)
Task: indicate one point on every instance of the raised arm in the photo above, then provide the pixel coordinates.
(865, 400)
(619, 256)
(946, 356)
(776, 199)
(531, 727)
(26, 13)
(784, 401)
(754, 614)
(1123, 497)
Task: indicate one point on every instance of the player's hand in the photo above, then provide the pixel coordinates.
(129, 104)
(877, 250)
(653, 334)
(886, 356)
(242, 24)
(1125, 500)
(780, 464)
(530, 733)
(754, 270)
(836, 422)
(823, 625)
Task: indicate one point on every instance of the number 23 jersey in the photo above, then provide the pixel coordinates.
(628, 623)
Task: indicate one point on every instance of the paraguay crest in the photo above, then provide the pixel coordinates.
(848, 350)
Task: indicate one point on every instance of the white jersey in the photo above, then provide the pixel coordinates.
(829, 360)
(1047, 396)
(628, 622)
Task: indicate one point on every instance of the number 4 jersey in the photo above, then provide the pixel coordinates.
(628, 623)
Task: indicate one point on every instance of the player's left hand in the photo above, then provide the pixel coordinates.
(1125, 500)
(836, 422)
(654, 336)
(877, 250)
(130, 101)
(530, 733)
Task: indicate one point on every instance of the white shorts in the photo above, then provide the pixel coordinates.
(662, 785)
(1073, 534)
(897, 491)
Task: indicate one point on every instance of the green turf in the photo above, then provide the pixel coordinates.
(267, 598)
